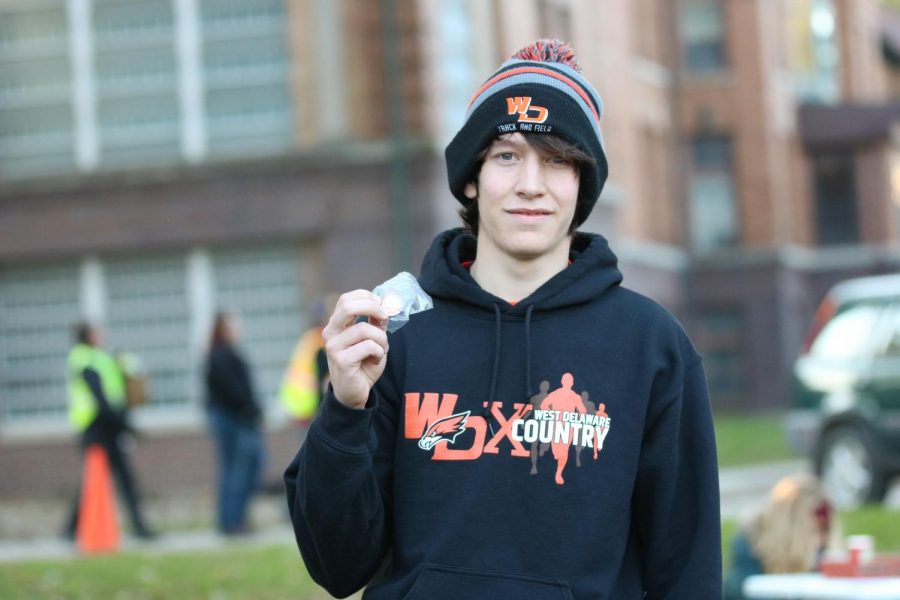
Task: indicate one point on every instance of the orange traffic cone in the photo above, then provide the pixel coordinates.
(98, 523)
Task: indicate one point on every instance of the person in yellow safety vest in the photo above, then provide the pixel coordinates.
(98, 412)
(307, 373)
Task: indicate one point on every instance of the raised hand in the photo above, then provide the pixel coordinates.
(356, 351)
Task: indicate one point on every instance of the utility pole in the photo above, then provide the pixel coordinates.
(398, 175)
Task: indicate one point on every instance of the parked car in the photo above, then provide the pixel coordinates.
(846, 405)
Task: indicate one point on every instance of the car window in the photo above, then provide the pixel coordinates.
(849, 334)
(890, 346)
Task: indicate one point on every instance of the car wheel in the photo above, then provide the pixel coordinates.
(849, 468)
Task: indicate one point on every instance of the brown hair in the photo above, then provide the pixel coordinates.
(219, 335)
(83, 332)
(546, 145)
(785, 534)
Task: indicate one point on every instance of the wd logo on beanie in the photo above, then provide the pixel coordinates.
(538, 91)
(521, 105)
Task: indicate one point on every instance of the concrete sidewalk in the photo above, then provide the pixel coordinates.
(168, 542)
(742, 490)
(31, 530)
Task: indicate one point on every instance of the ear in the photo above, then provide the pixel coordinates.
(470, 191)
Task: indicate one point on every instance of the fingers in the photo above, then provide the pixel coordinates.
(358, 333)
(358, 353)
(351, 306)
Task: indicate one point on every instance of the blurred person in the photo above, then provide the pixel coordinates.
(414, 480)
(235, 419)
(306, 378)
(788, 534)
(98, 409)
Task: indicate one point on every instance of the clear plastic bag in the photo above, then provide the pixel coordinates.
(402, 297)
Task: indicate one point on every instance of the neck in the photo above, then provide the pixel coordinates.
(515, 278)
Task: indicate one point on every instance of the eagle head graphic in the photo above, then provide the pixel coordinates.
(444, 430)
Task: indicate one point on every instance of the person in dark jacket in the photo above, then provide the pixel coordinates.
(416, 479)
(235, 419)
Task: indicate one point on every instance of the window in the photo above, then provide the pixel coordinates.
(701, 27)
(36, 122)
(38, 307)
(248, 106)
(136, 82)
(461, 50)
(814, 54)
(118, 84)
(262, 286)
(714, 221)
(148, 315)
(834, 185)
(555, 18)
(890, 346)
(150, 307)
(848, 335)
(720, 340)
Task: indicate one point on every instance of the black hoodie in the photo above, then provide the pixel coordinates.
(432, 492)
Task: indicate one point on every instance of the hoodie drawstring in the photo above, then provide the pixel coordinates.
(528, 393)
(496, 369)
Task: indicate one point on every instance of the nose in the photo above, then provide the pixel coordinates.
(530, 183)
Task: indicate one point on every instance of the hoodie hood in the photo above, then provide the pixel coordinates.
(592, 271)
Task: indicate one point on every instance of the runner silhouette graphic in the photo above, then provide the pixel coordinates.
(563, 399)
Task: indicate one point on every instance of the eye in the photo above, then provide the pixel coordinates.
(505, 156)
(559, 160)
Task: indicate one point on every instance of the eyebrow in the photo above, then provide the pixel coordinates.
(513, 143)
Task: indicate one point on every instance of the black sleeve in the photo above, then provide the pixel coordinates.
(676, 498)
(106, 416)
(339, 489)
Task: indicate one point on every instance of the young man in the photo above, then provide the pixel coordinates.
(417, 479)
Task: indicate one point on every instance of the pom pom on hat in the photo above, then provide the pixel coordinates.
(551, 51)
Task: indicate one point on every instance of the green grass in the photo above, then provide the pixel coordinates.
(745, 439)
(882, 524)
(232, 573)
(729, 528)
(263, 573)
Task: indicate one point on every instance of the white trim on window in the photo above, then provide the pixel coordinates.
(93, 290)
(328, 65)
(84, 93)
(201, 296)
(188, 42)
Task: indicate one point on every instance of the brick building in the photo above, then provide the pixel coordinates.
(161, 158)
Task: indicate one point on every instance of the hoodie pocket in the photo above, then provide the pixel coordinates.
(440, 582)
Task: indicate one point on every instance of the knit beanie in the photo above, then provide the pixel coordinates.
(540, 90)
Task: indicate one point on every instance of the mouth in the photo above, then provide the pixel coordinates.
(529, 215)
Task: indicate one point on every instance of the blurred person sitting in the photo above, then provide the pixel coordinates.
(306, 378)
(235, 418)
(98, 409)
(789, 533)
